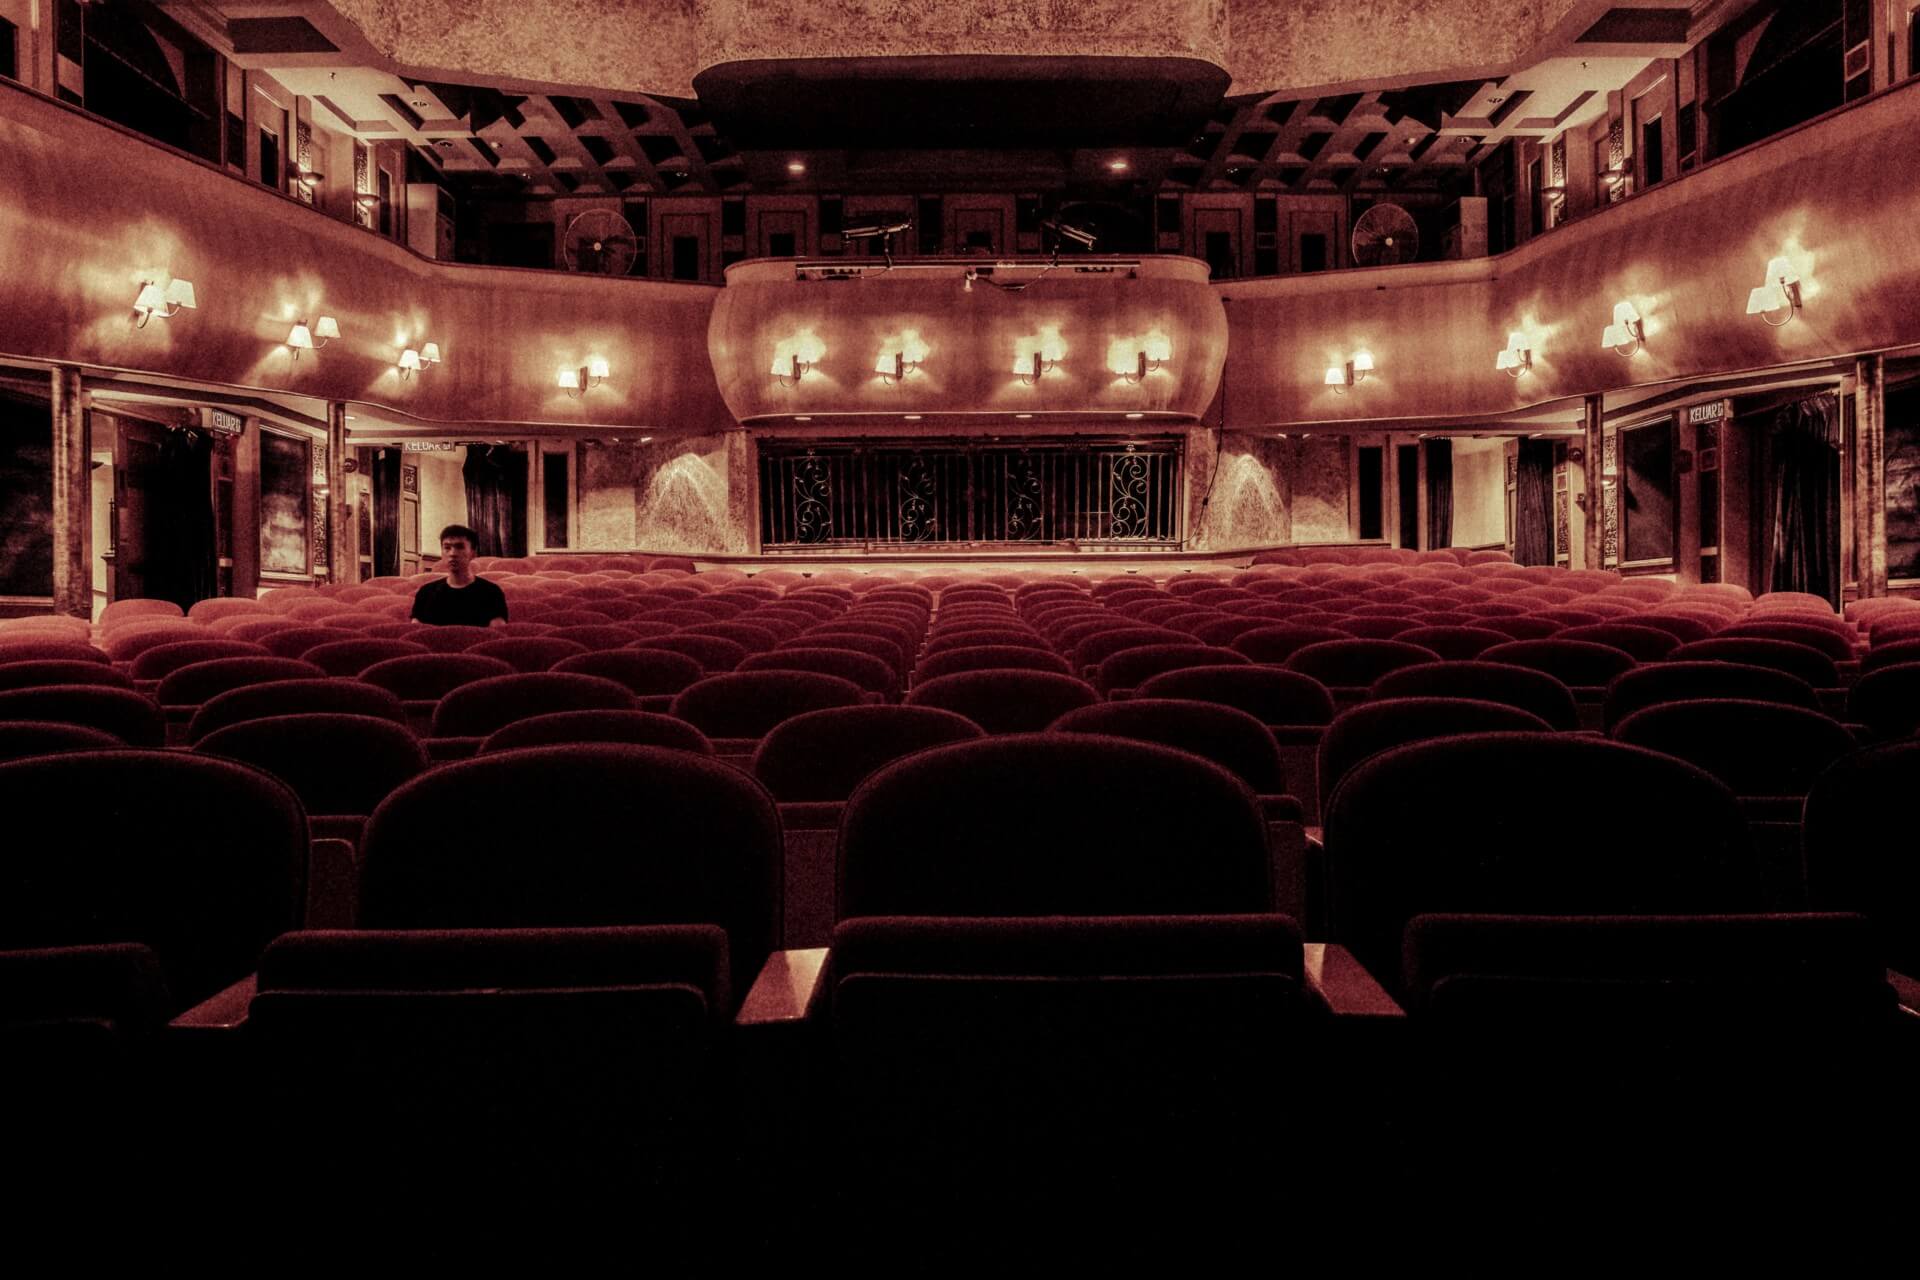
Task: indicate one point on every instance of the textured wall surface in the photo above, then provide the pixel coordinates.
(1479, 492)
(671, 495)
(1317, 483)
(658, 46)
(1251, 499)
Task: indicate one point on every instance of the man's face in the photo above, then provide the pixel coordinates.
(456, 554)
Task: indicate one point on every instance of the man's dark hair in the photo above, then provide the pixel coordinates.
(461, 531)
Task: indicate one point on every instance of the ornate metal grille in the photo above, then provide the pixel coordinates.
(891, 493)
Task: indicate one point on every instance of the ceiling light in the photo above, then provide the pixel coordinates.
(910, 417)
(1135, 417)
(796, 167)
(1119, 166)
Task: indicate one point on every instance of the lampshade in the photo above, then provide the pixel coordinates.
(1780, 271)
(1615, 335)
(1507, 359)
(1336, 376)
(430, 353)
(409, 359)
(569, 378)
(326, 327)
(180, 293)
(1768, 297)
(596, 368)
(1157, 347)
(151, 298)
(891, 363)
(301, 339)
(1362, 362)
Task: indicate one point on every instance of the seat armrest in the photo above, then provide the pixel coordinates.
(785, 990)
(1348, 988)
(223, 1011)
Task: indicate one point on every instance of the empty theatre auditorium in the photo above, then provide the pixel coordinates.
(896, 634)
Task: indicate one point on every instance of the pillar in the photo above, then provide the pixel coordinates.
(1871, 420)
(342, 565)
(72, 497)
(1593, 446)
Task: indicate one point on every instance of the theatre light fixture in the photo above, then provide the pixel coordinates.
(795, 357)
(1353, 372)
(1038, 354)
(1627, 334)
(430, 353)
(584, 379)
(1131, 360)
(1517, 358)
(901, 357)
(409, 363)
(161, 295)
(1776, 301)
(303, 338)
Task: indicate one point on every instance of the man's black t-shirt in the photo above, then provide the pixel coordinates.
(474, 605)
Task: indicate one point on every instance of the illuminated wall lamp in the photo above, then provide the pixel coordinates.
(584, 379)
(1517, 358)
(1354, 371)
(1779, 296)
(789, 372)
(302, 338)
(430, 353)
(1627, 334)
(892, 366)
(1032, 367)
(1153, 357)
(163, 300)
(409, 363)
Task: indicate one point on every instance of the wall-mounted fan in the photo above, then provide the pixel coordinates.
(1384, 235)
(600, 242)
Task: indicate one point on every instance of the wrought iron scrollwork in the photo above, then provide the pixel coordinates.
(1129, 495)
(918, 522)
(812, 500)
(1023, 497)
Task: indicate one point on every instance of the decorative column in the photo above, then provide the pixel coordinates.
(1871, 425)
(72, 494)
(342, 564)
(1593, 446)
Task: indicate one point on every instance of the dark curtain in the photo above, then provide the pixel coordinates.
(386, 512)
(1803, 496)
(496, 477)
(182, 561)
(1439, 493)
(1533, 504)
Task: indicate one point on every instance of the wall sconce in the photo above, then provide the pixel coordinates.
(308, 178)
(1517, 358)
(367, 200)
(1354, 371)
(584, 379)
(789, 372)
(894, 365)
(301, 338)
(164, 300)
(430, 353)
(1132, 362)
(1779, 296)
(409, 363)
(1032, 367)
(1627, 334)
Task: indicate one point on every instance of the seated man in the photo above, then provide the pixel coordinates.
(461, 600)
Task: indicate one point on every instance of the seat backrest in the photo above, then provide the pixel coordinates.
(873, 675)
(746, 704)
(1026, 825)
(1755, 748)
(1362, 732)
(194, 684)
(424, 678)
(1533, 691)
(823, 755)
(714, 653)
(339, 765)
(21, 739)
(351, 657)
(1269, 694)
(528, 653)
(293, 642)
(1646, 644)
(1005, 701)
(596, 834)
(1280, 642)
(990, 657)
(1416, 829)
(1578, 664)
(1887, 700)
(1809, 664)
(19, 648)
(1856, 837)
(1831, 640)
(1232, 739)
(203, 860)
(478, 709)
(126, 715)
(648, 672)
(28, 675)
(1356, 664)
(1457, 642)
(163, 660)
(452, 639)
(294, 697)
(1130, 667)
(641, 728)
(1658, 682)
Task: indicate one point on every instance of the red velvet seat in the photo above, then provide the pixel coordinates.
(1661, 682)
(747, 704)
(989, 658)
(17, 647)
(873, 675)
(713, 653)
(1578, 664)
(351, 657)
(1131, 667)
(192, 685)
(1645, 644)
(1005, 701)
(341, 766)
(1230, 738)
(639, 728)
(823, 755)
(528, 653)
(1276, 644)
(294, 697)
(1356, 664)
(1530, 690)
(162, 660)
(1809, 664)
(1834, 643)
(24, 739)
(26, 675)
(478, 708)
(1758, 749)
(1360, 733)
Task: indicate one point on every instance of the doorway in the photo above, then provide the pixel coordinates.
(162, 520)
